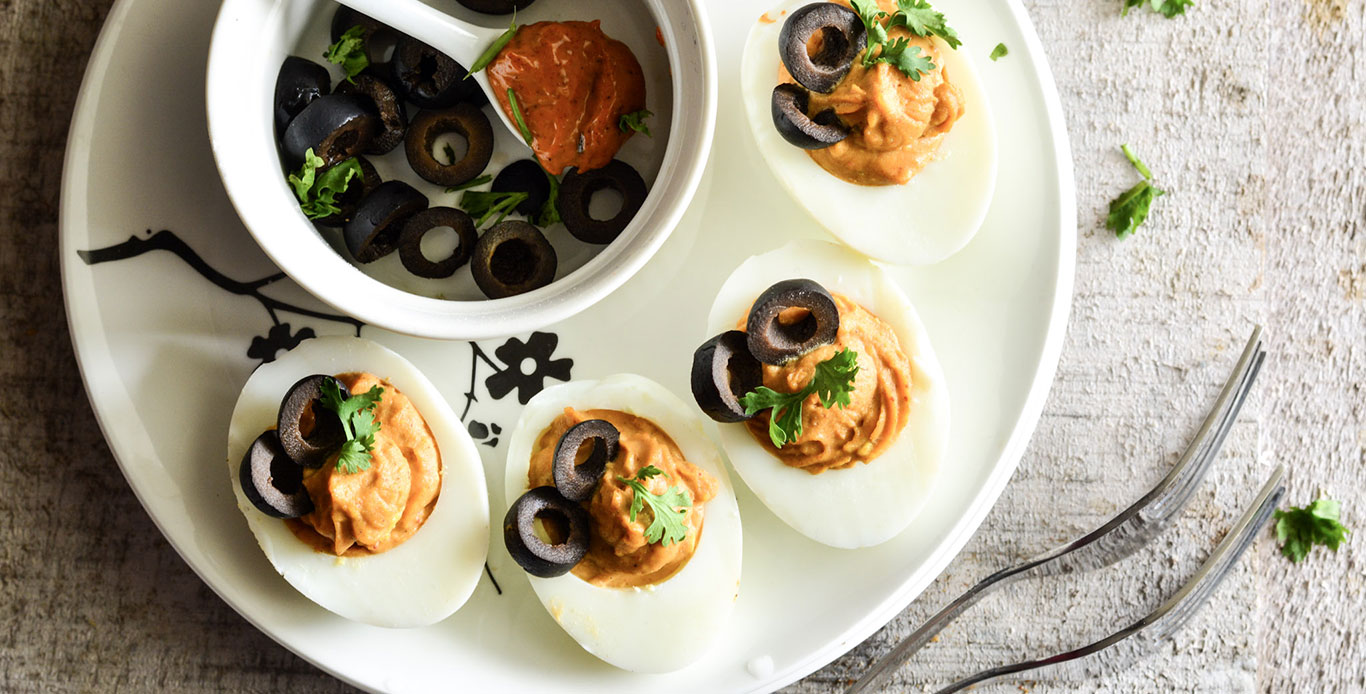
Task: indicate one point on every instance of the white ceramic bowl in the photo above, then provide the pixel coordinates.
(251, 40)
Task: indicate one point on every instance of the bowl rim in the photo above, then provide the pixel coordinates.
(261, 207)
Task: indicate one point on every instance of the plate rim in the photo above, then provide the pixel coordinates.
(123, 448)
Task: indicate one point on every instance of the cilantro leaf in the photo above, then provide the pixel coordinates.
(872, 16)
(358, 423)
(1299, 529)
(1130, 210)
(1000, 51)
(494, 48)
(349, 52)
(484, 204)
(832, 382)
(923, 20)
(1166, 8)
(317, 192)
(635, 121)
(470, 184)
(517, 116)
(906, 58)
(667, 524)
(550, 211)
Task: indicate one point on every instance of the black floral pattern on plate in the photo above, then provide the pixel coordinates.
(538, 349)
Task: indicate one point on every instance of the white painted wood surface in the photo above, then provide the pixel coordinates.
(1249, 113)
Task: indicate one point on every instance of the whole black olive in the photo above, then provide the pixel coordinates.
(272, 482)
(496, 6)
(524, 176)
(336, 127)
(774, 338)
(431, 79)
(300, 82)
(789, 106)
(577, 190)
(309, 432)
(417, 226)
(843, 37)
(723, 370)
(575, 480)
(568, 527)
(392, 116)
(466, 120)
(356, 191)
(379, 37)
(513, 257)
(374, 229)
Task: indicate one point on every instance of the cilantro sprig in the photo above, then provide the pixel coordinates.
(1000, 51)
(357, 415)
(832, 382)
(1130, 210)
(1299, 529)
(349, 52)
(484, 204)
(918, 18)
(317, 192)
(550, 211)
(667, 523)
(1166, 8)
(635, 120)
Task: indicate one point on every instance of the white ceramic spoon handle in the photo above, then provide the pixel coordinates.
(459, 39)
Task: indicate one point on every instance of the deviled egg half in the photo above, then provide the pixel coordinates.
(833, 407)
(898, 165)
(360, 484)
(623, 515)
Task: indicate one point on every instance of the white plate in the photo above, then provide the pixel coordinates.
(164, 350)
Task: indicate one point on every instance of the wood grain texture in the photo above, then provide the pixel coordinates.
(1250, 114)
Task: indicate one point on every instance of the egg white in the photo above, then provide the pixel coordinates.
(872, 502)
(691, 607)
(417, 583)
(919, 223)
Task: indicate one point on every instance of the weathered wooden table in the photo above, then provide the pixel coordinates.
(1252, 115)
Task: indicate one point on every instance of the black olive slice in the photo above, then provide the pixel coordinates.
(576, 192)
(577, 480)
(379, 37)
(524, 176)
(789, 116)
(466, 120)
(417, 226)
(309, 432)
(374, 229)
(496, 6)
(272, 482)
(392, 116)
(774, 338)
(512, 258)
(723, 370)
(566, 523)
(842, 37)
(431, 79)
(336, 127)
(300, 82)
(356, 191)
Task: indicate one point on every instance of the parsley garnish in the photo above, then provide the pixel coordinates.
(919, 19)
(484, 204)
(494, 48)
(667, 524)
(1130, 209)
(1166, 8)
(357, 415)
(832, 383)
(349, 52)
(517, 116)
(1000, 51)
(318, 193)
(470, 184)
(635, 121)
(1299, 529)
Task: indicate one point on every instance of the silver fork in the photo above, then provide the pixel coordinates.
(1119, 537)
(1163, 622)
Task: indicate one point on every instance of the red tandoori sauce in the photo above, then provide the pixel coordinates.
(573, 84)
